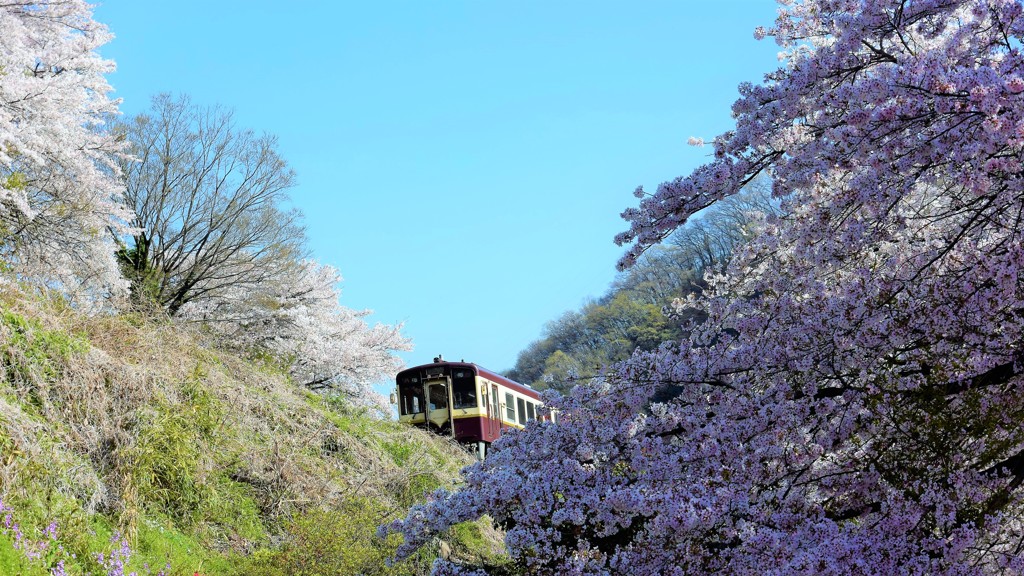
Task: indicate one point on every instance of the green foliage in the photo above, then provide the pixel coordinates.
(160, 543)
(349, 420)
(467, 534)
(196, 456)
(337, 541)
(14, 563)
(415, 486)
(74, 540)
(15, 181)
(44, 351)
(231, 512)
(423, 466)
(269, 363)
(79, 538)
(471, 539)
(580, 343)
(560, 367)
(637, 311)
(163, 465)
(399, 451)
(145, 279)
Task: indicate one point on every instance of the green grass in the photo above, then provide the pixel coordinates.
(352, 421)
(399, 451)
(231, 511)
(45, 352)
(338, 541)
(161, 543)
(13, 562)
(200, 459)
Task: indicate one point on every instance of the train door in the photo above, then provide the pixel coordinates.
(438, 395)
(485, 426)
(494, 422)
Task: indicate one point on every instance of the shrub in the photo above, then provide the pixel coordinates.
(338, 541)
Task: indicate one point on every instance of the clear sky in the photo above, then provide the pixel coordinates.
(462, 163)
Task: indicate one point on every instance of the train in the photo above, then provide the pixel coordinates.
(468, 402)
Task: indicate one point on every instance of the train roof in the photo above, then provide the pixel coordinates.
(490, 375)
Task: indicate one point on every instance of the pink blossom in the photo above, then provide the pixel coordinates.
(852, 403)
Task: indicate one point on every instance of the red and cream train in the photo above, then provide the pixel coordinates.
(471, 403)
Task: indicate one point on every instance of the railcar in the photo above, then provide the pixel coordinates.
(466, 401)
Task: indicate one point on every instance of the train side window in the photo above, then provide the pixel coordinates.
(530, 414)
(464, 389)
(510, 407)
(522, 411)
(494, 401)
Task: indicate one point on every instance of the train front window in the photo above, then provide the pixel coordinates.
(411, 398)
(438, 397)
(464, 389)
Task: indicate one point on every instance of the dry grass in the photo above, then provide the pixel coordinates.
(129, 415)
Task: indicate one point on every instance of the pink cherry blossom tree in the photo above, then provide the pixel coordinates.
(60, 199)
(853, 402)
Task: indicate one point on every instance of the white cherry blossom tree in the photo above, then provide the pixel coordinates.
(60, 199)
(297, 319)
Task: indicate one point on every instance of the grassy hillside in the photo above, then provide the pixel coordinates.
(125, 431)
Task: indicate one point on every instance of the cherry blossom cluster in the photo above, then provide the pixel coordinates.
(59, 194)
(62, 210)
(853, 402)
(297, 317)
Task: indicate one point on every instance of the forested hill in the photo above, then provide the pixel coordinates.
(641, 308)
(127, 440)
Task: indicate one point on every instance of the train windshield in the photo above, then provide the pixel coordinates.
(410, 393)
(438, 397)
(464, 394)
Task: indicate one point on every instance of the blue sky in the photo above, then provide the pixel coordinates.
(462, 163)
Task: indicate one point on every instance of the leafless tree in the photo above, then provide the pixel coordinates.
(708, 241)
(210, 204)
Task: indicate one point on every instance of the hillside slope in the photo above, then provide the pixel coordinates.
(122, 430)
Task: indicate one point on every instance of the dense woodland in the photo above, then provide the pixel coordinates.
(642, 308)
